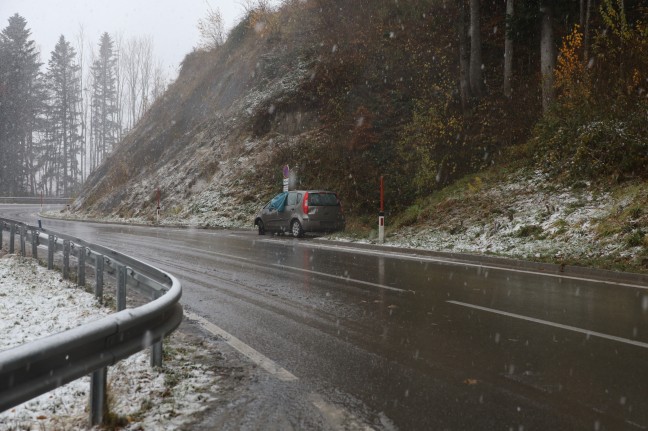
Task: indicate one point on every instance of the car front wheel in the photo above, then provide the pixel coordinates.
(296, 229)
(261, 227)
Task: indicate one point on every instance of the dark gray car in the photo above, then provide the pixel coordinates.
(301, 211)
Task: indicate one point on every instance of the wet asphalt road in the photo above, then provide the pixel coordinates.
(405, 342)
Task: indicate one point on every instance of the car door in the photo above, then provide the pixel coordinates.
(272, 212)
(284, 217)
(268, 213)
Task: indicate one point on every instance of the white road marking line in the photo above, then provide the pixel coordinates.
(587, 332)
(339, 277)
(322, 274)
(338, 418)
(262, 361)
(451, 261)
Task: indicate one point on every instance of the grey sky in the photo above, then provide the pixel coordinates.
(170, 23)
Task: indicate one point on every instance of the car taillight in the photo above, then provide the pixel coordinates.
(305, 204)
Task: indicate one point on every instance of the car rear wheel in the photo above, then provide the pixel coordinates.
(296, 229)
(261, 227)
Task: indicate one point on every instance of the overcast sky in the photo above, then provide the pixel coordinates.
(170, 23)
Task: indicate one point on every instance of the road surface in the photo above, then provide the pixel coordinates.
(366, 339)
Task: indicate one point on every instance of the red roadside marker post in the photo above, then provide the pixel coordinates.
(381, 214)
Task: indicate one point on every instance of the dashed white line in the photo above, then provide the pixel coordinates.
(587, 332)
(347, 279)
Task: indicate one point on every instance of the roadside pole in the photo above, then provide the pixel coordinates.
(381, 214)
(286, 178)
(157, 211)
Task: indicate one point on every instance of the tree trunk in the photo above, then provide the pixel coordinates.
(586, 31)
(476, 80)
(547, 58)
(508, 52)
(464, 85)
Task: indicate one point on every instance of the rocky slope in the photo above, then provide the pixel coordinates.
(204, 141)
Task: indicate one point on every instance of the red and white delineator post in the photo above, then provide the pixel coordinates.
(381, 214)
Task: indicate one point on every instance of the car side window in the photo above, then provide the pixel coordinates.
(299, 197)
(292, 199)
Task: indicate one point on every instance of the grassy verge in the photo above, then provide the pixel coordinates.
(525, 214)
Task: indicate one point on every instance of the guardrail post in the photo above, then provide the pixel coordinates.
(121, 287)
(66, 259)
(51, 245)
(12, 239)
(99, 268)
(156, 349)
(2, 225)
(34, 244)
(98, 399)
(23, 237)
(81, 267)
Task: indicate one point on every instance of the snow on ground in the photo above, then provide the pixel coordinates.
(525, 215)
(144, 398)
(537, 223)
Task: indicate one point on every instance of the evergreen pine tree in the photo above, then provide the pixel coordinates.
(64, 127)
(20, 100)
(104, 100)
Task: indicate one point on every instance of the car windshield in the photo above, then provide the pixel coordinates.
(322, 199)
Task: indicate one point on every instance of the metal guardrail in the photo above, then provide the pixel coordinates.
(37, 367)
(34, 200)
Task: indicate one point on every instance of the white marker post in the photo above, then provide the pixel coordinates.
(381, 214)
(286, 178)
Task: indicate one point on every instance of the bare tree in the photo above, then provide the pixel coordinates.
(211, 28)
(146, 74)
(131, 57)
(159, 82)
(250, 6)
(136, 72)
(83, 105)
(120, 82)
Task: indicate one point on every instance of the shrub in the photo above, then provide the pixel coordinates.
(597, 127)
(635, 239)
(530, 231)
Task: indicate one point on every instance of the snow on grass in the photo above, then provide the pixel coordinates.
(35, 302)
(525, 216)
(527, 221)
